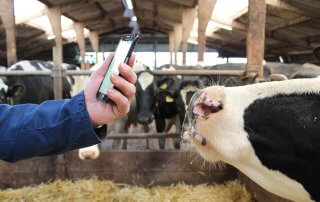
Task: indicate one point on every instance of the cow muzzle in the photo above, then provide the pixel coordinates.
(203, 105)
(145, 119)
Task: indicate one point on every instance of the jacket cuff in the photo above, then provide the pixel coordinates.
(97, 135)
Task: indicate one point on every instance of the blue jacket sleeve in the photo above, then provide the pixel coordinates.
(53, 127)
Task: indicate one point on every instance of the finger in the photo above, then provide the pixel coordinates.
(132, 60)
(104, 67)
(128, 73)
(120, 100)
(128, 89)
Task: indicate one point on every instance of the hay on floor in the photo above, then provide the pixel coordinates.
(101, 190)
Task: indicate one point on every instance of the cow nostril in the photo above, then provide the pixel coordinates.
(89, 155)
(207, 107)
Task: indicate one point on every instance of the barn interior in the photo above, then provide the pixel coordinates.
(175, 32)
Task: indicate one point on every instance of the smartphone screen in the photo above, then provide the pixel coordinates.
(122, 54)
(119, 57)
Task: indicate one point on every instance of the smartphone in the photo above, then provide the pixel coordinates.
(121, 55)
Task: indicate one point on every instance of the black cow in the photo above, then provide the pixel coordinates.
(158, 99)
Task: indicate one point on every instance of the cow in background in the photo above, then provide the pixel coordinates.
(3, 87)
(157, 99)
(33, 89)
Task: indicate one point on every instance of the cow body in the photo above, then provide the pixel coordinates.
(269, 131)
(30, 89)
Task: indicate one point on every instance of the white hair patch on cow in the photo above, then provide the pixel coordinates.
(184, 91)
(145, 79)
(3, 85)
(26, 66)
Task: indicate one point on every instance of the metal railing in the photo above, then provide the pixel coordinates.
(117, 136)
(156, 72)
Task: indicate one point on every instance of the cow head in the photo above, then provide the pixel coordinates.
(145, 96)
(14, 90)
(265, 130)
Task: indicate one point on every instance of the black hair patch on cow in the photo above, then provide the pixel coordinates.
(18, 67)
(284, 131)
(35, 64)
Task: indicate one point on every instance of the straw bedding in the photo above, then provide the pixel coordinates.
(101, 190)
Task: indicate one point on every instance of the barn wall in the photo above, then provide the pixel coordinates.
(130, 167)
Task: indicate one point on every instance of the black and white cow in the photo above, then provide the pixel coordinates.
(269, 131)
(29, 89)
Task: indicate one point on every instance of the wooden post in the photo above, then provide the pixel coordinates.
(205, 9)
(188, 17)
(79, 29)
(7, 16)
(256, 37)
(94, 40)
(54, 16)
(171, 46)
(177, 30)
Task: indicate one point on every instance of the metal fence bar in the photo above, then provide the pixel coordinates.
(156, 72)
(199, 72)
(116, 136)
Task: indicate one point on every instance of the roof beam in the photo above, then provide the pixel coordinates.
(290, 7)
(291, 22)
(27, 41)
(118, 26)
(285, 38)
(187, 3)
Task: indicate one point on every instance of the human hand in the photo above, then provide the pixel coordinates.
(101, 112)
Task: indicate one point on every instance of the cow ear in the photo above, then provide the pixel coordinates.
(15, 90)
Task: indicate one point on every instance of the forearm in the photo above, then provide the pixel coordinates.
(52, 127)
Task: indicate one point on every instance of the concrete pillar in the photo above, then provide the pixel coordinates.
(171, 46)
(79, 29)
(256, 37)
(7, 16)
(188, 17)
(205, 9)
(177, 30)
(94, 40)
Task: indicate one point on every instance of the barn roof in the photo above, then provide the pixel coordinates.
(292, 26)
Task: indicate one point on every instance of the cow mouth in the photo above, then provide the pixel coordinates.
(203, 109)
(204, 106)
